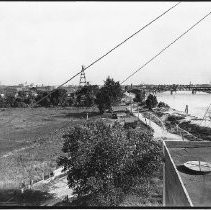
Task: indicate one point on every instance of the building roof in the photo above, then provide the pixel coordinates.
(119, 108)
(130, 119)
(197, 184)
(121, 114)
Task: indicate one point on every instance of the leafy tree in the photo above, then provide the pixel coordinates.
(103, 100)
(67, 101)
(2, 102)
(22, 94)
(151, 101)
(19, 102)
(114, 90)
(85, 96)
(46, 102)
(139, 95)
(30, 100)
(102, 161)
(58, 97)
(108, 95)
(10, 100)
(24, 97)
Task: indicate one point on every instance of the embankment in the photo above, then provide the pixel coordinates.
(176, 122)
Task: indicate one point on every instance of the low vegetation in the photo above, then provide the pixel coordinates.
(31, 140)
(198, 131)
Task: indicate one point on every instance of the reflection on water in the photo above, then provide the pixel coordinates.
(197, 103)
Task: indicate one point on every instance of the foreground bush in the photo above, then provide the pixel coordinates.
(162, 104)
(103, 161)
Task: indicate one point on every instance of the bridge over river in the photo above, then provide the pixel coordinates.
(193, 88)
(174, 88)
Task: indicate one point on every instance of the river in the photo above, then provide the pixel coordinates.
(197, 103)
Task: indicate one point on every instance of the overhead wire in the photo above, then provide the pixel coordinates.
(97, 60)
(107, 53)
(164, 49)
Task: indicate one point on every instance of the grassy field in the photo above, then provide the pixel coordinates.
(31, 140)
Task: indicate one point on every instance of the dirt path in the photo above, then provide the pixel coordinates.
(57, 186)
(159, 132)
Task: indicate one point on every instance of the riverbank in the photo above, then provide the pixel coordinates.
(179, 123)
(159, 130)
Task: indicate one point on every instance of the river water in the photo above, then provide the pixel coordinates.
(197, 103)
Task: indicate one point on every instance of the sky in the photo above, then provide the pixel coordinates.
(47, 42)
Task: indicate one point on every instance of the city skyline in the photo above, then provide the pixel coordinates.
(47, 42)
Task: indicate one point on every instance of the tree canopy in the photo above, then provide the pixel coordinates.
(151, 101)
(108, 95)
(103, 161)
(58, 97)
(139, 95)
(86, 95)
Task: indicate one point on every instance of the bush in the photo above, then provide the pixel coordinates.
(58, 97)
(10, 100)
(139, 95)
(46, 102)
(2, 103)
(21, 105)
(162, 104)
(174, 119)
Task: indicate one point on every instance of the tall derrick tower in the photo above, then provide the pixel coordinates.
(82, 81)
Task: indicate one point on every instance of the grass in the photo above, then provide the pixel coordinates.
(31, 140)
(40, 132)
(198, 131)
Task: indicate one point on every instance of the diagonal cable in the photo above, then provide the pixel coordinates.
(118, 45)
(164, 49)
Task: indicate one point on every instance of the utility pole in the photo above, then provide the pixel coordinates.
(130, 103)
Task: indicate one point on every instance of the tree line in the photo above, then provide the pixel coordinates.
(86, 96)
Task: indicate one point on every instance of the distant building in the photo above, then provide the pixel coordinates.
(128, 97)
(116, 109)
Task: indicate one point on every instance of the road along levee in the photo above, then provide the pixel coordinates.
(159, 132)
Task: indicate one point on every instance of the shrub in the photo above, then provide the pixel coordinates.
(162, 104)
(21, 105)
